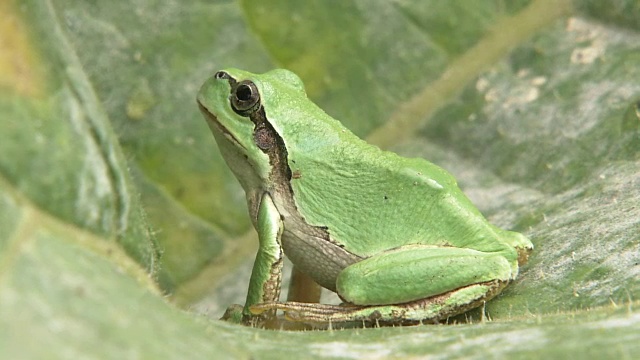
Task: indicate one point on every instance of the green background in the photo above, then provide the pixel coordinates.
(124, 235)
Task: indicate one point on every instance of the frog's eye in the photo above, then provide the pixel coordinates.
(245, 98)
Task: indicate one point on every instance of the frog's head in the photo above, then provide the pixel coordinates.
(233, 102)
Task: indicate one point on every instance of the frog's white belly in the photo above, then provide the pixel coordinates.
(316, 256)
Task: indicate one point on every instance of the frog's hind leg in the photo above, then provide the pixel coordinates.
(408, 285)
(432, 309)
(418, 272)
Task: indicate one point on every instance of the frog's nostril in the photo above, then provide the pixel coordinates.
(221, 75)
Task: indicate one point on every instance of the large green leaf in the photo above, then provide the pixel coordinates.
(113, 194)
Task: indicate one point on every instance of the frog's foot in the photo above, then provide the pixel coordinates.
(432, 309)
(233, 314)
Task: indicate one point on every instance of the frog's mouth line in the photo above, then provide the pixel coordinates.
(213, 119)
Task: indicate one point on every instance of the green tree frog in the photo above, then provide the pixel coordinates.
(394, 237)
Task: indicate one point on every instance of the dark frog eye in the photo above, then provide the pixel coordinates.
(245, 98)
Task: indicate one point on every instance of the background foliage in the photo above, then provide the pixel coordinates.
(120, 225)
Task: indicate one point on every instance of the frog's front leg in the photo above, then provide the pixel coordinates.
(266, 276)
(417, 283)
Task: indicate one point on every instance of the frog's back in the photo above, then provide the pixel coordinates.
(373, 200)
(373, 197)
(370, 200)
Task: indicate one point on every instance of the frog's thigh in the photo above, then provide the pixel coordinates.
(416, 273)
